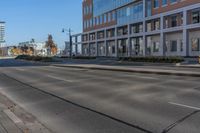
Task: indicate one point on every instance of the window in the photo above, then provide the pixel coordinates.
(164, 2)
(113, 49)
(156, 4)
(111, 33)
(101, 19)
(173, 46)
(149, 26)
(157, 25)
(173, 1)
(196, 17)
(195, 44)
(109, 17)
(166, 23)
(128, 11)
(105, 18)
(100, 35)
(149, 11)
(156, 46)
(113, 16)
(174, 21)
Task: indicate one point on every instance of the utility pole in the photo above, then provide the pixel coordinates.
(69, 32)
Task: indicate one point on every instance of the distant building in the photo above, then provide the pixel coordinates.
(6, 51)
(2, 34)
(66, 51)
(39, 47)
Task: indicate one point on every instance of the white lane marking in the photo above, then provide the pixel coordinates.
(12, 116)
(143, 77)
(185, 106)
(20, 69)
(58, 78)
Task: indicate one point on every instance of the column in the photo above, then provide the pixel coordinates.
(105, 44)
(96, 43)
(129, 44)
(116, 45)
(89, 54)
(162, 37)
(76, 45)
(185, 35)
(144, 39)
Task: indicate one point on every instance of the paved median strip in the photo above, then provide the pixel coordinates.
(134, 70)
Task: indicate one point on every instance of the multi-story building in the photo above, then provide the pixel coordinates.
(119, 28)
(2, 33)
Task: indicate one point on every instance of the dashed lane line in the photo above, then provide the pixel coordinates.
(185, 106)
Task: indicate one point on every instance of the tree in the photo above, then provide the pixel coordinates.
(51, 45)
(16, 51)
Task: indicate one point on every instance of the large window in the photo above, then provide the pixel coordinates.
(111, 48)
(173, 1)
(103, 6)
(100, 35)
(196, 17)
(149, 10)
(156, 24)
(110, 32)
(174, 21)
(130, 14)
(195, 44)
(173, 46)
(137, 28)
(164, 2)
(122, 31)
(156, 46)
(123, 47)
(137, 46)
(156, 3)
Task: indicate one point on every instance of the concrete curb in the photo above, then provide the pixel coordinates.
(145, 71)
(187, 66)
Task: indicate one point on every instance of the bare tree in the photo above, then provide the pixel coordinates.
(51, 45)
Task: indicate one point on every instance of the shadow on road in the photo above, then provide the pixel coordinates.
(17, 63)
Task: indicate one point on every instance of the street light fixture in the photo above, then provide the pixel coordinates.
(69, 31)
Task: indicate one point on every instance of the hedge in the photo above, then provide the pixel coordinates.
(34, 58)
(153, 59)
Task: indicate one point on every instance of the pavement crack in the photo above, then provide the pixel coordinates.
(81, 106)
(170, 127)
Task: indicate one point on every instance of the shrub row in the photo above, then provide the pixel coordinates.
(153, 59)
(84, 57)
(34, 58)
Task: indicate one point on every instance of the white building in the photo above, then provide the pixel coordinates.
(39, 47)
(2, 34)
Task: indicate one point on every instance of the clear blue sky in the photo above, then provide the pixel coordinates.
(26, 19)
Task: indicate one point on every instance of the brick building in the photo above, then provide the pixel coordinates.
(121, 28)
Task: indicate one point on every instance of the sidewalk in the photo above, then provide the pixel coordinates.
(14, 119)
(135, 69)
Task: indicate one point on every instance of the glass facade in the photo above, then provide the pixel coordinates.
(103, 6)
(130, 14)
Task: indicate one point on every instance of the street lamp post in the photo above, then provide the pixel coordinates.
(69, 31)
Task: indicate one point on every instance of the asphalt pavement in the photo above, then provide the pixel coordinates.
(72, 100)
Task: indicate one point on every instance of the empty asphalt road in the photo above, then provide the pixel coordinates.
(68, 100)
